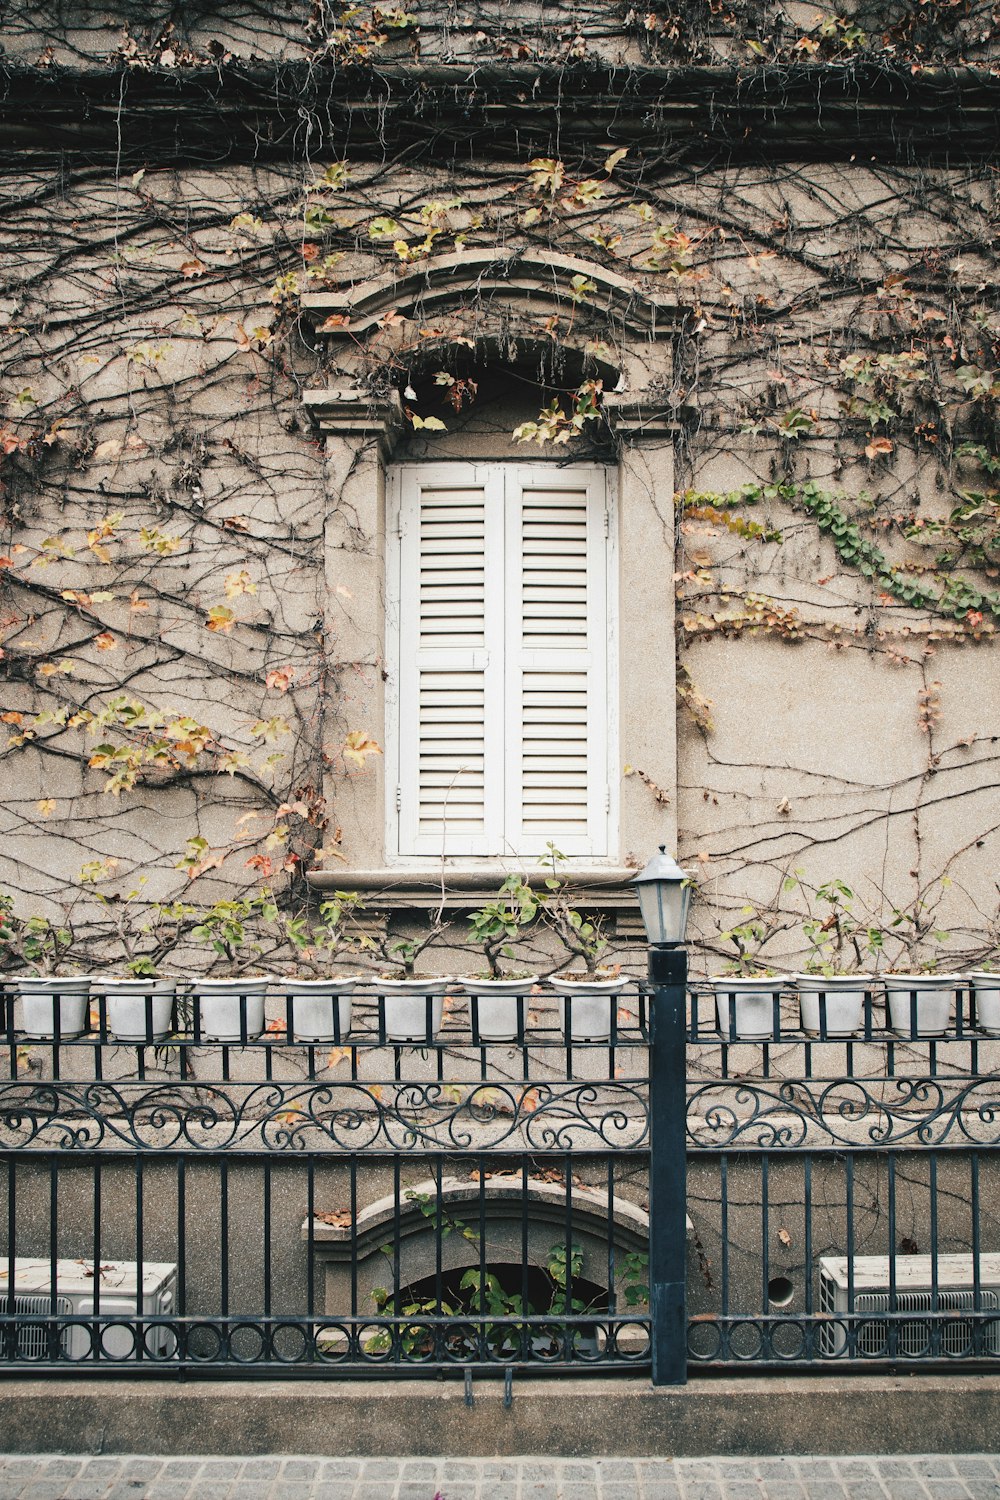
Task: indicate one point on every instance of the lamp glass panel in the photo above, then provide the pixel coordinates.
(664, 905)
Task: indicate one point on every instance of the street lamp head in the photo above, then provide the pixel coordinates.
(664, 892)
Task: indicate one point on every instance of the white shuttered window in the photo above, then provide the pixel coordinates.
(500, 653)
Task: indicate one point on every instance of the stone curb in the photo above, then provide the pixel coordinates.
(566, 1418)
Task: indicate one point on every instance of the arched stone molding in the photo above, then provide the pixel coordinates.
(498, 307)
(531, 297)
(339, 1247)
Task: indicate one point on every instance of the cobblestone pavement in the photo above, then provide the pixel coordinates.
(972, 1477)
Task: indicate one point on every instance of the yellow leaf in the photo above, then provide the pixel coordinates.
(239, 583)
(220, 618)
(358, 746)
(46, 806)
(105, 641)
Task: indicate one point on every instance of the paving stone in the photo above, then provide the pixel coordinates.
(946, 1489)
(378, 1490)
(418, 1468)
(540, 1489)
(300, 1468)
(655, 1488)
(90, 1489)
(457, 1471)
(701, 1489)
(742, 1489)
(981, 1489)
(778, 1469)
(815, 1468)
(865, 1489)
(65, 1468)
(166, 1489)
(261, 1469)
(904, 1489)
(339, 1469)
(105, 1468)
(616, 1470)
(381, 1470)
(220, 1470)
(457, 1490)
(10, 1489)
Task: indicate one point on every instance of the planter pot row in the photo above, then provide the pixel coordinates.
(917, 1004)
(141, 1010)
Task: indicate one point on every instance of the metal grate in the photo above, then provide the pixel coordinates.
(33, 1338)
(942, 1333)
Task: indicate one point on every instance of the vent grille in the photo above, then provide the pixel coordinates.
(33, 1338)
(943, 1333)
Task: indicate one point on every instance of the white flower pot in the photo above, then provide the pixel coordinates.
(935, 994)
(230, 1010)
(986, 988)
(497, 1004)
(317, 1010)
(841, 996)
(44, 998)
(591, 1002)
(746, 1006)
(405, 1002)
(138, 1010)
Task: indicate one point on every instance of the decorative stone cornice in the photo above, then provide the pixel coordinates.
(356, 413)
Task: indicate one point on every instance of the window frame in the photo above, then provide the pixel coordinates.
(603, 788)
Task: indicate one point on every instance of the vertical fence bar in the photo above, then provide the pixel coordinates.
(668, 1167)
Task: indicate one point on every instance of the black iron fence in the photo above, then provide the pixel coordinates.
(403, 1194)
(668, 1181)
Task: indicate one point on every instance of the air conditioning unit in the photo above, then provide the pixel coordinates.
(914, 1293)
(31, 1298)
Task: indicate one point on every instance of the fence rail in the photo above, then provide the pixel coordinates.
(651, 1191)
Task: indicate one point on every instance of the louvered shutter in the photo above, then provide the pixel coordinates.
(557, 701)
(498, 700)
(450, 750)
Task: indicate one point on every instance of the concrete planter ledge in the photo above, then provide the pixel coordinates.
(559, 1418)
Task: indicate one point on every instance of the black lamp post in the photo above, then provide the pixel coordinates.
(664, 892)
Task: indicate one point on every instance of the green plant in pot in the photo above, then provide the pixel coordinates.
(318, 1004)
(498, 991)
(985, 983)
(412, 1005)
(53, 992)
(919, 994)
(833, 984)
(230, 1007)
(746, 994)
(135, 999)
(589, 990)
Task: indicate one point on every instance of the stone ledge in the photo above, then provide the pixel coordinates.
(784, 1414)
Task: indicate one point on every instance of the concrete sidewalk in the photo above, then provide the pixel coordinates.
(51, 1477)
